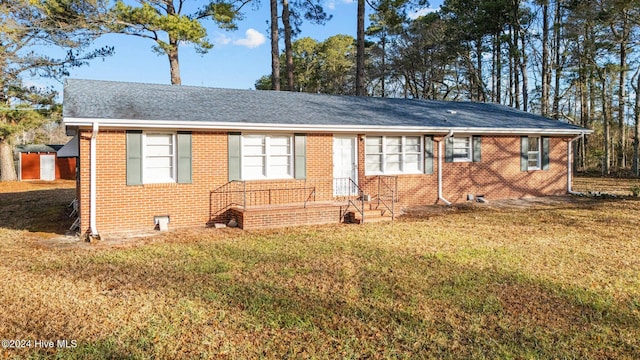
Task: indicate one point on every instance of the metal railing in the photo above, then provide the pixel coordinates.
(345, 191)
(355, 197)
(387, 194)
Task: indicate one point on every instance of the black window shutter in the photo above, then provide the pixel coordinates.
(524, 153)
(477, 148)
(448, 149)
(545, 153)
(428, 154)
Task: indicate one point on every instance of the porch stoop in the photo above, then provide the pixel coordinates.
(371, 215)
(283, 215)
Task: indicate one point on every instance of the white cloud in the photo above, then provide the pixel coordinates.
(422, 12)
(222, 40)
(331, 4)
(253, 38)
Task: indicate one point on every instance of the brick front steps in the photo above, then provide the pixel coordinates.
(283, 215)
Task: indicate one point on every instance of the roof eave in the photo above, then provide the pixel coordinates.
(238, 126)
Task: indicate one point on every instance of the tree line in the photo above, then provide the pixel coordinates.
(572, 60)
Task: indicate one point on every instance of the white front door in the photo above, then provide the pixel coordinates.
(47, 167)
(345, 165)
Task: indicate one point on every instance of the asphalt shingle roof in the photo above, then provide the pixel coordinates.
(38, 148)
(91, 99)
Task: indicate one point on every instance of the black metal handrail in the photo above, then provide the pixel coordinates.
(350, 201)
(238, 193)
(383, 196)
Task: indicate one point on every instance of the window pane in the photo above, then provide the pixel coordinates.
(279, 171)
(412, 162)
(253, 150)
(374, 144)
(159, 139)
(462, 148)
(154, 162)
(460, 142)
(534, 143)
(253, 161)
(279, 141)
(252, 172)
(280, 161)
(533, 159)
(412, 144)
(158, 158)
(158, 174)
(159, 150)
(394, 144)
(253, 140)
(280, 150)
(461, 153)
(392, 163)
(374, 163)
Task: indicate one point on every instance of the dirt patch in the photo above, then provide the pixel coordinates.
(422, 211)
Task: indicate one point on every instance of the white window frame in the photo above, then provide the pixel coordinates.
(469, 148)
(403, 156)
(268, 158)
(538, 153)
(146, 178)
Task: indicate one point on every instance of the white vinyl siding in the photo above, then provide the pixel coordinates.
(393, 155)
(267, 157)
(159, 158)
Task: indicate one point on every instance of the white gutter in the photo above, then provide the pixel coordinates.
(92, 181)
(440, 151)
(272, 127)
(569, 165)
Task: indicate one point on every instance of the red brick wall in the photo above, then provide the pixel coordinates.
(121, 207)
(497, 176)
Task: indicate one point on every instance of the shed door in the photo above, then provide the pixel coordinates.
(47, 167)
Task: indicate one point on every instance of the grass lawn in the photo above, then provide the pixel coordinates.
(557, 281)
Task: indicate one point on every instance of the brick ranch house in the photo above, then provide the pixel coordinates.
(192, 156)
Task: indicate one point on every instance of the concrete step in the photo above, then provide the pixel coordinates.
(354, 217)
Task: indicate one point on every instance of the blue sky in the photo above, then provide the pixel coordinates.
(237, 60)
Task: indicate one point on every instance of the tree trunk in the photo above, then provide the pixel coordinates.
(383, 41)
(7, 169)
(360, 50)
(636, 133)
(558, 67)
(605, 118)
(498, 69)
(544, 101)
(516, 67)
(621, 98)
(174, 62)
(525, 77)
(275, 51)
(479, 89)
(288, 50)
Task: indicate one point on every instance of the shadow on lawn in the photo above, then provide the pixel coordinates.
(37, 211)
(409, 304)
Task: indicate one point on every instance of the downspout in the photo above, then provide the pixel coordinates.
(92, 182)
(440, 151)
(570, 163)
